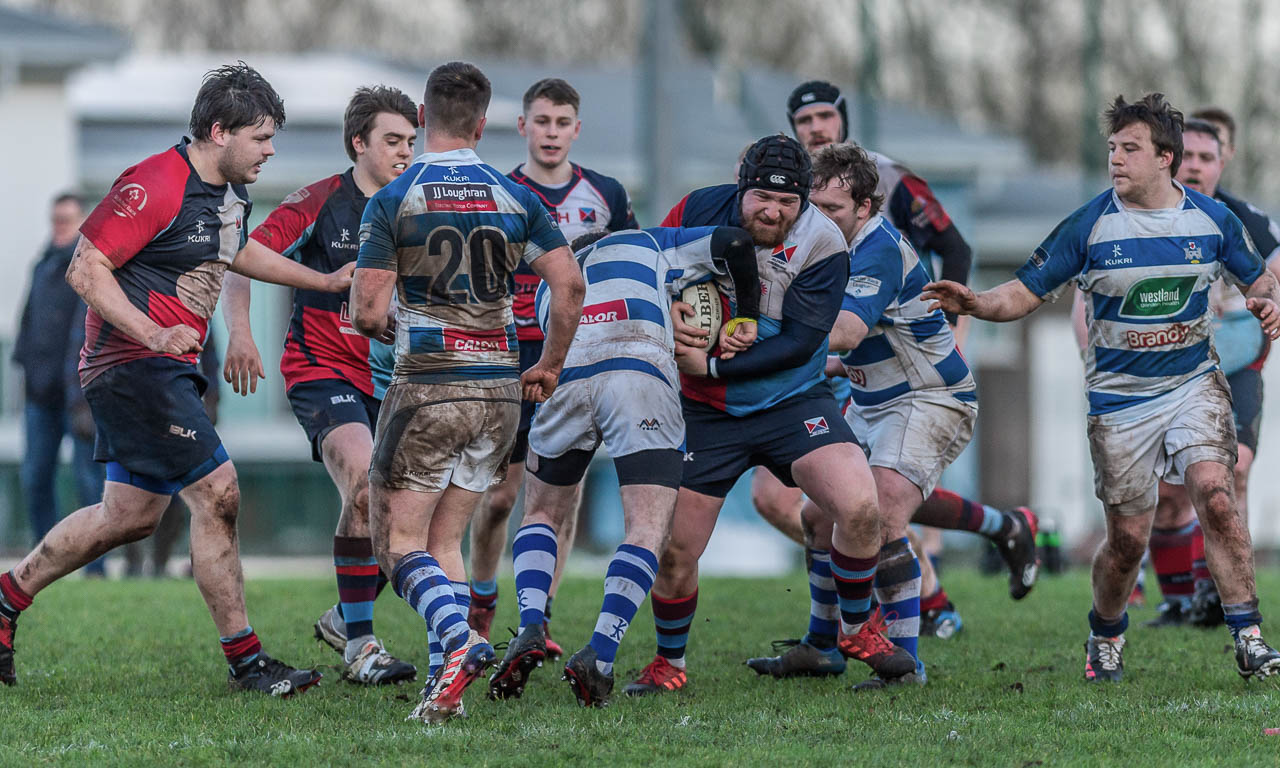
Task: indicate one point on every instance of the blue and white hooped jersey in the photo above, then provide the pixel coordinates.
(454, 229)
(908, 348)
(631, 278)
(1145, 276)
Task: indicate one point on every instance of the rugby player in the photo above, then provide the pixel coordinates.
(770, 405)
(580, 200)
(1145, 254)
(914, 402)
(1177, 541)
(819, 116)
(445, 237)
(150, 266)
(325, 364)
(619, 388)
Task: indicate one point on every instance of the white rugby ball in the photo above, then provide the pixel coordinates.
(707, 315)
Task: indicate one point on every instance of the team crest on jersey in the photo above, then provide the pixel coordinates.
(784, 252)
(130, 200)
(1193, 252)
(587, 215)
(296, 196)
(817, 426)
(858, 377)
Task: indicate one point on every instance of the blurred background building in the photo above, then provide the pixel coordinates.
(995, 103)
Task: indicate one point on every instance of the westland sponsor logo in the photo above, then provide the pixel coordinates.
(1158, 297)
(606, 312)
(458, 198)
(476, 341)
(1174, 334)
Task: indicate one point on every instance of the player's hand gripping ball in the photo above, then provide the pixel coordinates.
(707, 315)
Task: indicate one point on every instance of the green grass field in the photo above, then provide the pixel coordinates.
(130, 673)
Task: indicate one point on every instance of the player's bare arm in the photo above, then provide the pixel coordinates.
(371, 292)
(242, 366)
(259, 262)
(1263, 300)
(90, 275)
(846, 334)
(560, 272)
(1007, 301)
(688, 337)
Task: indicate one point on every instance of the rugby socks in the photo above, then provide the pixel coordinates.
(435, 654)
(626, 584)
(951, 511)
(484, 594)
(671, 620)
(897, 588)
(938, 601)
(853, 577)
(12, 599)
(1241, 616)
(358, 574)
(1199, 565)
(1105, 627)
(533, 552)
(420, 580)
(1171, 555)
(824, 606)
(241, 648)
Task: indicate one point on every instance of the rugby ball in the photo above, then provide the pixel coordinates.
(707, 315)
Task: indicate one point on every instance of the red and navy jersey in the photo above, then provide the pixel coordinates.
(802, 282)
(170, 237)
(319, 226)
(909, 203)
(588, 202)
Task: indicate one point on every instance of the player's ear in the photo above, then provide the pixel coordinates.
(480, 128)
(520, 124)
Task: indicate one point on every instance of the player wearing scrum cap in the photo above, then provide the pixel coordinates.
(770, 405)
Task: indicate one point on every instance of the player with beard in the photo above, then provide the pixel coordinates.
(769, 405)
(1145, 254)
(819, 116)
(325, 364)
(1177, 541)
(150, 266)
(580, 200)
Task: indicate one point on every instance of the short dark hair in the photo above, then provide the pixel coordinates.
(554, 90)
(1220, 116)
(1203, 126)
(588, 238)
(234, 95)
(364, 108)
(1164, 120)
(69, 197)
(850, 164)
(456, 99)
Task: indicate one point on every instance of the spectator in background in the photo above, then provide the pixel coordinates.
(42, 349)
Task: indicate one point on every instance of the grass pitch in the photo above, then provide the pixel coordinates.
(131, 673)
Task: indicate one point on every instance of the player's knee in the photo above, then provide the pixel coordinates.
(225, 504)
(500, 501)
(676, 566)
(360, 500)
(1219, 504)
(1241, 477)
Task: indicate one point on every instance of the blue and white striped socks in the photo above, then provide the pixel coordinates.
(824, 603)
(435, 654)
(420, 580)
(897, 588)
(533, 553)
(626, 584)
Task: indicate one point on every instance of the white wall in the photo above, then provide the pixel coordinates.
(38, 162)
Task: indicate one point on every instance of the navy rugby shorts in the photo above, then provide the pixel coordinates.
(325, 404)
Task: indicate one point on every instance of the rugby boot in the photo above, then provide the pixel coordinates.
(1254, 658)
(870, 646)
(1206, 605)
(801, 659)
(1103, 658)
(331, 630)
(372, 665)
(480, 618)
(8, 626)
(554, 649)
(525, 652)
(442, 697)
(879, 682)
(941, 622)
(590, 686)
(267, 675)
(661, 675)
(1173, 613)
(1019, 553)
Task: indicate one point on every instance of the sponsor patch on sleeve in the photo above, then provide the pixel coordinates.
(861, 286)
